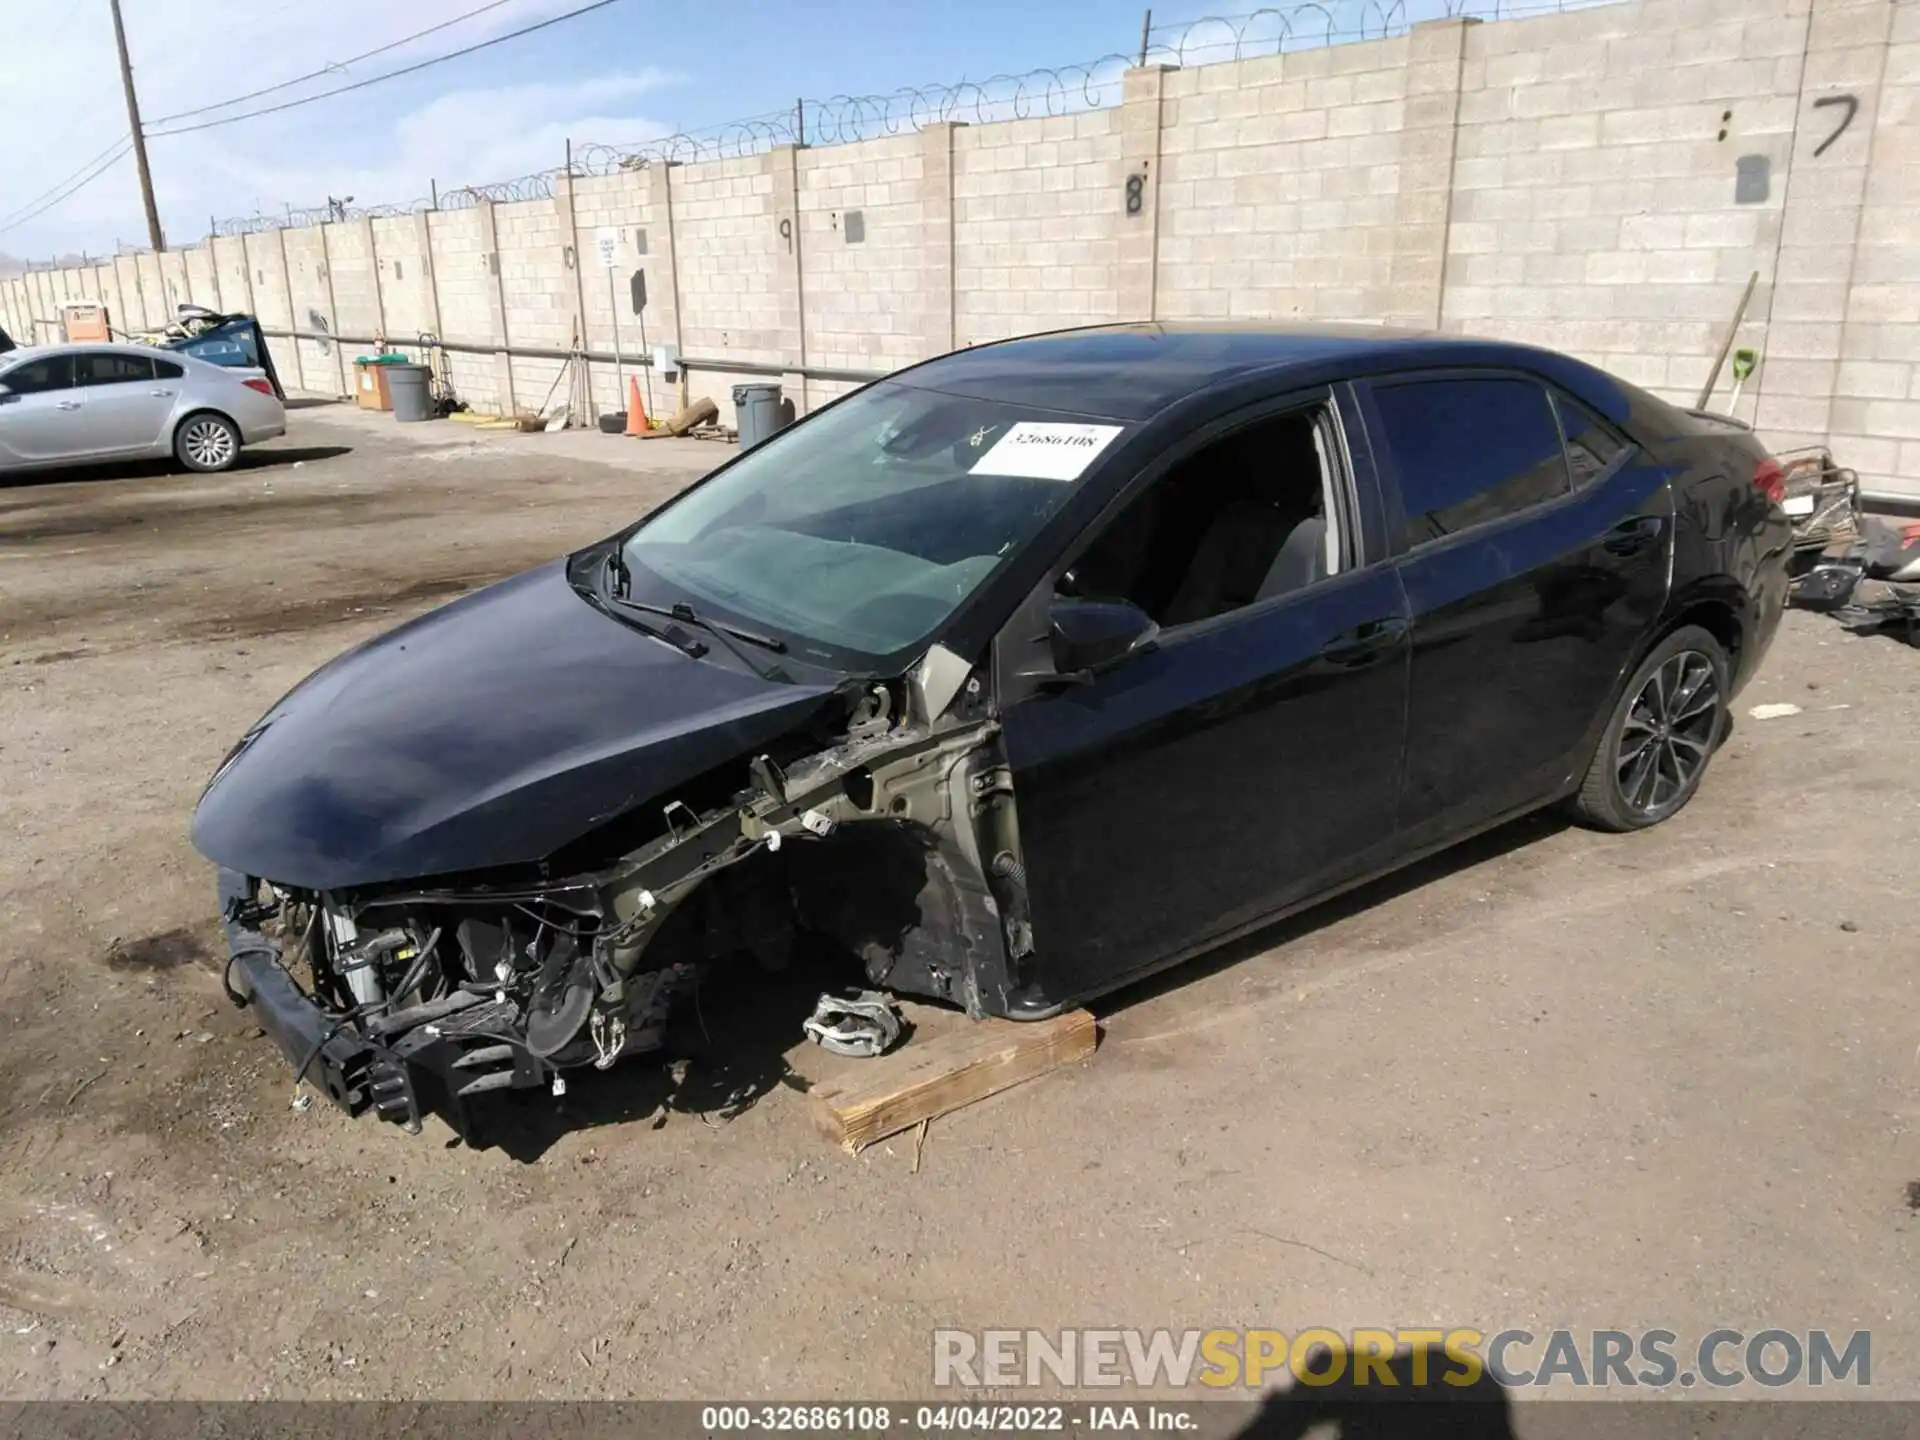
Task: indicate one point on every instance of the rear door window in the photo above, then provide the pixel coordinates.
(1592, 446)
(1469, 450)
(55, 372)
(110, 369)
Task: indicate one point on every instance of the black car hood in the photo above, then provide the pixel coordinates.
(487, 733)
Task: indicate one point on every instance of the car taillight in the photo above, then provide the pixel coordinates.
(1770, 480)
(266, 388)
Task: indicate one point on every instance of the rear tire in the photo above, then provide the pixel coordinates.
(1662, 733)
(207, 443)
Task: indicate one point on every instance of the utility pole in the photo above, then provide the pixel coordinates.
(154, 235)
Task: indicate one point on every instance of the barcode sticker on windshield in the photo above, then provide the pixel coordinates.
(1037, 450)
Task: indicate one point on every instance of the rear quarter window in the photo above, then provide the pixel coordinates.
(1469, 450)
(1592, 445)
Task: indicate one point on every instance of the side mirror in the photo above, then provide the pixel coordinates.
(7, 397)
(1089, 635)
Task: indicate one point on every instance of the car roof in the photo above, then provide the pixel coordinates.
(1134, 371)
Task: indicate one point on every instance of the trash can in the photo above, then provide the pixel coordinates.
(370, 389)
(756, 413)
(412, 395)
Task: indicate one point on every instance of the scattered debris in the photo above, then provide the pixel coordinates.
(1862, 570)
(1775, 711)
(920, 1142)
(75, 1093)
(701, 412)
(1850, 926)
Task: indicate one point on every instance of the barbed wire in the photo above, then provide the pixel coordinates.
(1046, 91)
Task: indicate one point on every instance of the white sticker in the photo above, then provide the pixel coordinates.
(1798, 505)
(1038, 450)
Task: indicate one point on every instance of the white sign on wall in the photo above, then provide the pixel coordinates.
(607, 240)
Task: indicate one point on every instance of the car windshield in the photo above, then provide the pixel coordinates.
(856, 534)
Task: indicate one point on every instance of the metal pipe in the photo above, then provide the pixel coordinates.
(601, 357)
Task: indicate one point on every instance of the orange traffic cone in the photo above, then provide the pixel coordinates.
(637, 422)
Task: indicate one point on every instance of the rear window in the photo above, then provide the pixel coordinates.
(234, 344)
(1468, 451)
(111, 369)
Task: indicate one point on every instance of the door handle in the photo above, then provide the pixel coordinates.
(67, 405)
(1630, 537)
(1364, 643)
(161, 394)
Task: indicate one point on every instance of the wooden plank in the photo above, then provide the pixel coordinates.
(936, 1076)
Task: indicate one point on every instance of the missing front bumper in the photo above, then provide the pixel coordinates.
(400, 1080)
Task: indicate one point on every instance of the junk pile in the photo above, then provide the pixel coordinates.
(1859, 568)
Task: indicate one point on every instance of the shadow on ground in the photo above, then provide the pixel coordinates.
(725, 1049)
(1502, 840)
(253, 458)
(1421, 1396)
(728, 1049)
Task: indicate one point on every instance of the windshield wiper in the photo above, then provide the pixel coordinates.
(686, 615)
(620, 581)
(614, 595)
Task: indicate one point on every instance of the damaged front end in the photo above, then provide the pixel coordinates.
(897, 841)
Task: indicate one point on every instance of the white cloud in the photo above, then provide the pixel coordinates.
(56, 60)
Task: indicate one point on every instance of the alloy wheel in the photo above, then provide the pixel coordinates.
(1668, 733)
(209, 443)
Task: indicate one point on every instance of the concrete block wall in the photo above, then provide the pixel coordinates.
(1594, 182)
(1036, 224)
(347, 247)
(402, 277)
(265, 256)
(1277, 192)
(202, 286)
(632, 205)
(469, 300)
(867, 304)
(1875, 413)
(536, 279)
(736, 268)
(1569, 179)
(232, 276)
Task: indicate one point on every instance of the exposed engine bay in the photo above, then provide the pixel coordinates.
(897, 843)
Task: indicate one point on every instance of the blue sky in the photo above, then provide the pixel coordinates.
(636, 69)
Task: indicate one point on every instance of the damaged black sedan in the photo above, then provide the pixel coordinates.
(1016, 676)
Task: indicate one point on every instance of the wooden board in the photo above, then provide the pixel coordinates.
(936, 1076)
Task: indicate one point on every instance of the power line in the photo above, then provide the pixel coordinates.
(389, 75)
(125, 148)
(29, 204)
(335, 66)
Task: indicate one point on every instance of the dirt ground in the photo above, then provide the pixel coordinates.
(1550, 1078)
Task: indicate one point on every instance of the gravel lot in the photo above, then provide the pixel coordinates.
(1549, 1078)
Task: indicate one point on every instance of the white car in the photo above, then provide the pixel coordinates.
(80, 404)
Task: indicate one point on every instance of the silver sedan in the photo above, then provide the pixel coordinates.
(82, 404)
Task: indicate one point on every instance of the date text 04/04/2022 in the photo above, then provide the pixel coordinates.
(942, 1419)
